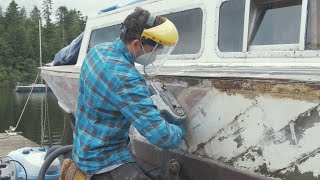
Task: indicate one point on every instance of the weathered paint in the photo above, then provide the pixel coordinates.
(262, 126)
(311, 165)
(65, 86)
(191, 167)
(265, 126)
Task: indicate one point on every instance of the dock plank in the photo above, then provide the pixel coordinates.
(11, 143)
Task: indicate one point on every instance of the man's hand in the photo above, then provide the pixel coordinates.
(179, 130)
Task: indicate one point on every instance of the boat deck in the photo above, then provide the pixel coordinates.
(297, 73)
(11, 143)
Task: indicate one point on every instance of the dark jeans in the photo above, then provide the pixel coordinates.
(128, 171)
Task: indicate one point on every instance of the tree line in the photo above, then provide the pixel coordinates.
(19, 38)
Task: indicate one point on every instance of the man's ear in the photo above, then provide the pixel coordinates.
(136, 44)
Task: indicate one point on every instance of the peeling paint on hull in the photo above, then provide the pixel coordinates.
(268, 127)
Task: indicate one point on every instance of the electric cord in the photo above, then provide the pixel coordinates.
(12, 160)
(64, 128)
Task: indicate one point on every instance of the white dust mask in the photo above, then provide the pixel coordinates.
(146, 58)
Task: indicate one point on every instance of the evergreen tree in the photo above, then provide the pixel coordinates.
(49, 39)
(23, 13)
(6, 52)
(11, 29)
(47, 11)
(62, 14)
(1, 21)
(35, 14)
(19, 39)
(73, 26)
(1, 13)
(22, 35)
(12, 14)
(33, 31)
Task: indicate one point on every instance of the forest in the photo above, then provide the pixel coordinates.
(19, 38)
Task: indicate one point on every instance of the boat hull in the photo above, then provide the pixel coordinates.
(65, 86)
(258, 125)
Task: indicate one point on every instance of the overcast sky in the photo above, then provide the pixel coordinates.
(87, 7)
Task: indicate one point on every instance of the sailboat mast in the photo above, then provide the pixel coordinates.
(40, 55)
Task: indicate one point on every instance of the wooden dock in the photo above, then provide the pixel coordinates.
(36, 88)
(11, 143)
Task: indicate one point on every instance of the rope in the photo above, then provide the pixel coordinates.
(42, 123)
(12, 129)
(64, 128)
(47, 115)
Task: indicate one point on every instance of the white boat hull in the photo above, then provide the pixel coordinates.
(267, 127)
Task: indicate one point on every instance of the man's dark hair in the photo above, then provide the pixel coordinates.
(135, 23)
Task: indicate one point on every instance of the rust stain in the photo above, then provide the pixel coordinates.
(277, 89)
(251, 88)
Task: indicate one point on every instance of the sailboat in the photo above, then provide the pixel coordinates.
(33, 87)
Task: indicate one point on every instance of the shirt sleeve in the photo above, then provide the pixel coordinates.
(138, 107)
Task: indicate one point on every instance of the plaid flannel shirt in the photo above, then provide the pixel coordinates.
(112, 96)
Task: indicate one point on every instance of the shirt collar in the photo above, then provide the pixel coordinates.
(122, 47)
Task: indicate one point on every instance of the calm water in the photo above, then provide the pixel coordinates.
(11, 105)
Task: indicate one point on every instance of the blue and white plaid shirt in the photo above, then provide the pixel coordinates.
(112, 96)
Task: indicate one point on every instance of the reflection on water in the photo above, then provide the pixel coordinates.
(11, 105)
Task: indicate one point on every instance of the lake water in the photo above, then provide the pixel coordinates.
(31, 124)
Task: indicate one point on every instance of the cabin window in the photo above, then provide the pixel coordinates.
(313, 28)
(102, 35)
(274, 22)
(188, 22)
(189, 25)
(260, 25)
(231, 23)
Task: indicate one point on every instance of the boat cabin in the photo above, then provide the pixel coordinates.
(247, 74)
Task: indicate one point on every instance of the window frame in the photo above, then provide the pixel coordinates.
(100, 27)
(282, 50)
(175, 10)
(93, 28)
(204, 19)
